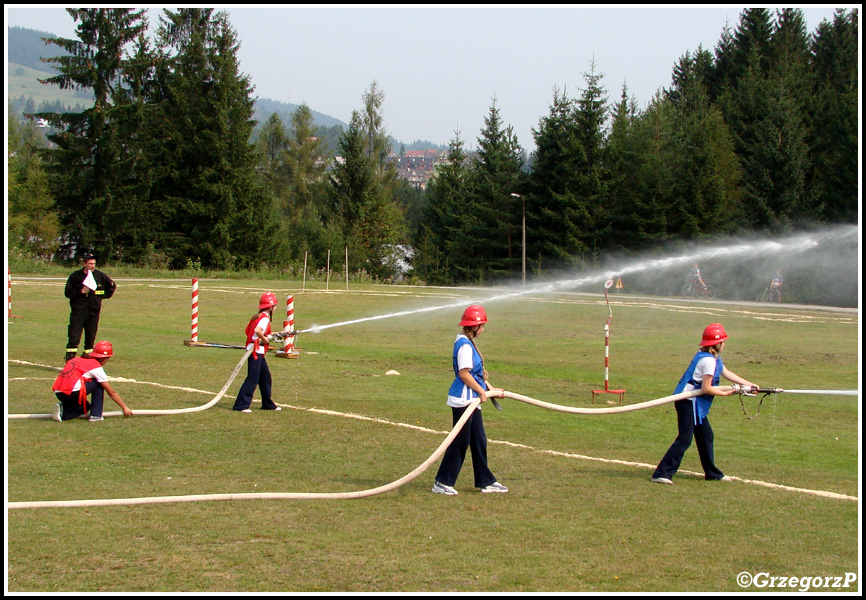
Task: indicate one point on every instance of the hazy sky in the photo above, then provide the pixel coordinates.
(441, 67)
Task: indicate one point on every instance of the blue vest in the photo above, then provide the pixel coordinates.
(704, 402)
(458, 388)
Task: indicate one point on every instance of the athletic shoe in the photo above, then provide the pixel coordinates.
(93, 419)
(246, 410)
(441, 488)
(494, 488)
(664, 480)
(57, 415)
(277, 408)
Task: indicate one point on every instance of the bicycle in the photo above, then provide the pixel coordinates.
(696, 289)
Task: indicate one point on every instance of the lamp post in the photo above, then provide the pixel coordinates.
(523, 202)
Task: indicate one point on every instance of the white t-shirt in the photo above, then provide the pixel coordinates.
(263, 325)
(705, 366)
(98, 374)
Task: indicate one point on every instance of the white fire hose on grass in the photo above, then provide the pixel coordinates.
(263, 495)
(343, 495)
(361, 493)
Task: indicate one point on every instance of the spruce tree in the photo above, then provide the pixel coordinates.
(591, 176)
(87, 182)
(704, 166)
(219, 213)
(833, 179)
(440, 236)
(557, 218)
(493, 215)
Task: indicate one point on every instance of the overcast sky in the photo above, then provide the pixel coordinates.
(441, 67)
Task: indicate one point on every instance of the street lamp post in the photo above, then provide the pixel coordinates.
(524, 235)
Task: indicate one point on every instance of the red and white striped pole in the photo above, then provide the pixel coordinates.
(11, 316)
(289, 324)
(194, 335)
(607, 389)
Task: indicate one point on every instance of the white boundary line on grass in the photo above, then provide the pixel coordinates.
(778, 486)
(821, 493)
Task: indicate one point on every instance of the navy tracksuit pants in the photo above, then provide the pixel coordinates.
(472, 436)
(72, 408)
(258, 375)
(703, 436)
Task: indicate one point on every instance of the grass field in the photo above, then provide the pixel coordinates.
(581, 514)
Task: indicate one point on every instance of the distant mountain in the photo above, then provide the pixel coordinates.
(26, 48)
(265, 107)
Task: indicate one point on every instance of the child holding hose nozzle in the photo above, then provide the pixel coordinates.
(470, 382)
(258, 374)
(702, 373)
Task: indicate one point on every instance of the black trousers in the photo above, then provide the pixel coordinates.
(258, 376)
(471, 436)
(72, 408)
(703, 436)
(83, 317)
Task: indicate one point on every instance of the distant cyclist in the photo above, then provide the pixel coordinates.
(695, 278)
(775, 294)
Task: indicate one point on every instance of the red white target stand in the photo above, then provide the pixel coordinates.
(289, 350)
(9, 279)
(607, 285)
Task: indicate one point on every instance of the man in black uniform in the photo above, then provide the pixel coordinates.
(86, 289)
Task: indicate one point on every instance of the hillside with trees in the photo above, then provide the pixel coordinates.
(758, 134)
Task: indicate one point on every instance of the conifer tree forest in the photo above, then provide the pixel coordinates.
(169, 168)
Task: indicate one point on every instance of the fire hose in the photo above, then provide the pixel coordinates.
(343, 495)
(384, 488)
(264, 495)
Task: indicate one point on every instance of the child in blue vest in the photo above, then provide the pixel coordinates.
(702, 373)
(258, 373)
(470, 382)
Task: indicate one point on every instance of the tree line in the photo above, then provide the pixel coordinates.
(759, 134)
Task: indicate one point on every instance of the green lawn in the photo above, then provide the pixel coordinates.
(580, 516)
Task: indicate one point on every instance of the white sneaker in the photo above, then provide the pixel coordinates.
(57, 415)
(664, 480)
(441, 488)
(93, 419)
(246, 410)
(494, 488)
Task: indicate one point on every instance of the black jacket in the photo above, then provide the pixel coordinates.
(105, 287)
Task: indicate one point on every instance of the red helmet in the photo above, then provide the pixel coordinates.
(102, 350)
(267, 300)
(713, 334)
(474, 315)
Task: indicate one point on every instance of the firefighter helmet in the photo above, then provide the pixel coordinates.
(473, 315)
(713, 334)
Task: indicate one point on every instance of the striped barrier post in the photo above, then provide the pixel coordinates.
(194, 333)
(607, 389)
(9, 278)
(289, 323)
